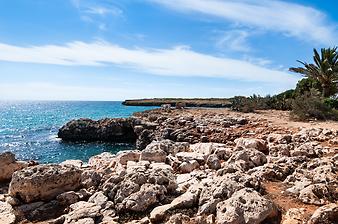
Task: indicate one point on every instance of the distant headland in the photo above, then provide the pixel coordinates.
(193, 102)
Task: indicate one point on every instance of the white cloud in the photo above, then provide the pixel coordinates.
(96, 12)
(177, 61)
(102, 11)
(235, 40)
(292, 19)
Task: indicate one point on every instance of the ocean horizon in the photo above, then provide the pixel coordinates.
(29, 128)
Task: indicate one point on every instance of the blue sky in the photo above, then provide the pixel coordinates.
(118, 49)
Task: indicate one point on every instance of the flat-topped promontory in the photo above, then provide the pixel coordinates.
(192, 102)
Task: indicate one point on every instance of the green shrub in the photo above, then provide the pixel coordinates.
(242, 104)
(311, 105)
(282, 101)
(306, 84)
(333, 103)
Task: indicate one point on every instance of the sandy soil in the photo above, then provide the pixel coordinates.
(274, 117)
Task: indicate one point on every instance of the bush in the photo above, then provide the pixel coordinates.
(306, 84)
(333, 103)
(282, 101)
(311, 105)
(242, 104)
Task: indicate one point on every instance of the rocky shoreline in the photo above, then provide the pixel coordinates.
(189, 166)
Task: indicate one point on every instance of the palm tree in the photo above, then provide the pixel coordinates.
(324, 70)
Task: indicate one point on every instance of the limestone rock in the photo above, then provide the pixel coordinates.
(178, 219)
(82, 212)
(44, 182)
(188, 166)
(318, 194)
(6, 213)
(8, 165)
(77, 163)
(147, 196)
(245, 206)
(124, 156)
(294, 216)
(102, 160)
(213, 162)
(206, 148)
(246, 159)
(68, 198)
(325, 214)
(252, 143)
(153, 154)
(118, 130)
(216, 190)
(188, 156)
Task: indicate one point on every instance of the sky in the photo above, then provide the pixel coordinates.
(129, 49)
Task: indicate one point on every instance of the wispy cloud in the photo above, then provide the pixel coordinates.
(102, 11)
(235, 40)
(177, 61)
(302, 22)
(96, 12)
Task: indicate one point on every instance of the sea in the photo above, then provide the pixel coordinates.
(29, 128)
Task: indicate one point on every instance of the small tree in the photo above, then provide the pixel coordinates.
(324, 70)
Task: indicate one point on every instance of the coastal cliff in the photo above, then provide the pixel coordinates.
(190, 166)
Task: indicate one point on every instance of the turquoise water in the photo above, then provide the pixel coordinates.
(29, 129)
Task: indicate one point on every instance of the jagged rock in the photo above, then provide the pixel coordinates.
(168, 146)
(325, 214)
(246, 159)
(186, 200)
(68, 198)
(99, 199)
(124, 156)
(147, 196)
(294, 216)
(252, 143)
(307, 149)
(153, 154)
(158, 213)
(46, 211)
(77, 163)
(207, 148)
(44, 182)
(145, 220)
(279, 138)
(8, 165)
(184, 181)
(82, 212)
(90, 178)
(178, 219)
(318, 194)
(118, 130)
(102, 161)
(280, 150)
(188, 156)
(213, 162)
(246, 206)
(141, 187)
(275, 170)
(216, 190)
(189, 166)
(6, 213)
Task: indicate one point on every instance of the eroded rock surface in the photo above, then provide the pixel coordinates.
(188, 167)
(44, 182)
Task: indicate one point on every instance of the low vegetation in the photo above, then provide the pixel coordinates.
(315, 96)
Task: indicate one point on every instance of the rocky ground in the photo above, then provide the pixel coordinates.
(190, 166)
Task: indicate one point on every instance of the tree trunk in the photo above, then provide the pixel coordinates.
(326, 91)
